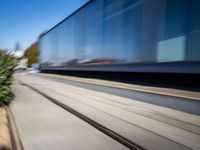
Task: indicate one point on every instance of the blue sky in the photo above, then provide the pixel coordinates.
(24, 20)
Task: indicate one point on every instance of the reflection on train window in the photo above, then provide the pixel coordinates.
(126, 31)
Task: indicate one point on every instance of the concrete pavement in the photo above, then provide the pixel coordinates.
(186, 101)
(148, 89)
(43, 125)
(151, 126)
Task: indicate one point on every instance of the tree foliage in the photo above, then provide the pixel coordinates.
(32, 54)
(7, 64)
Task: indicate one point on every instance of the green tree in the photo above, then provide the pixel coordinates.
(32, 54)
(7, 64)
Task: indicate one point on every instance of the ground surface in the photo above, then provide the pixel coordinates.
(44, 125)
(172, 98)
(5, 143)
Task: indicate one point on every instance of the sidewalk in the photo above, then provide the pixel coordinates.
(151, 126)
(179, 102)
(148, 89)
(44, 126)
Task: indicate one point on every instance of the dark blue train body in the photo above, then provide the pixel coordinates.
(159, 36)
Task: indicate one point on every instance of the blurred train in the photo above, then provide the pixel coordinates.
(152, 36)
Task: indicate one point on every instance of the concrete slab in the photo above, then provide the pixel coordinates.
(134, 87)
(42, 125)
(165, 97)
(126, 116)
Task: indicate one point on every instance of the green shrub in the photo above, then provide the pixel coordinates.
(7, 64)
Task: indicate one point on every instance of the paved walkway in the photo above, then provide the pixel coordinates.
(153, 127)
(153, 95)
(43, 125)
(148, 89)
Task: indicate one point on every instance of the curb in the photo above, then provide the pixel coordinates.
(14, 134)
